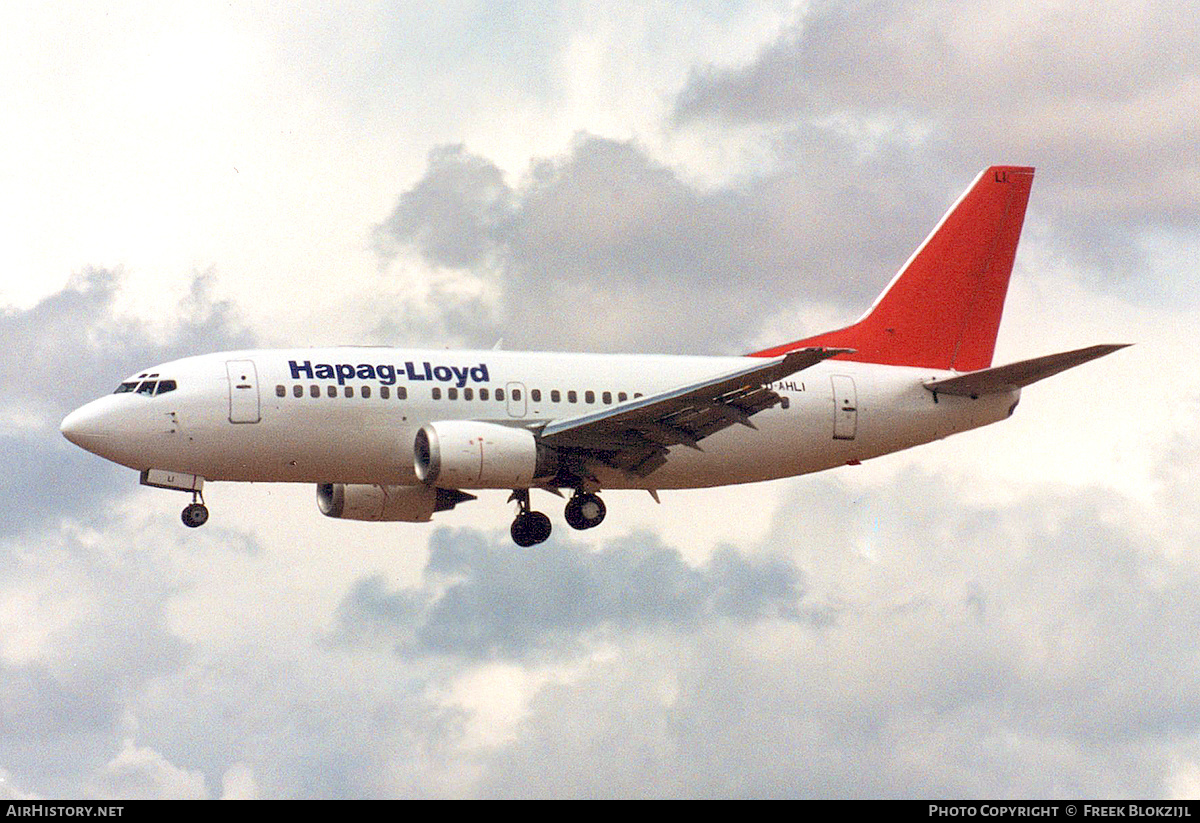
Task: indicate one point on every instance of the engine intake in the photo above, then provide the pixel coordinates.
(411, 504)
(467, 454)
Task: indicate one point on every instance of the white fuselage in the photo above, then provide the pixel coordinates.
(277, 416)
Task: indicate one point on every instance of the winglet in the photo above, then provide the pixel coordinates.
(1021, 373)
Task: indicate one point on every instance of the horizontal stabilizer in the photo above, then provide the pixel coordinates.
(1016, 375)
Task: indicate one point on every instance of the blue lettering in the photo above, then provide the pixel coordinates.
(388, 374)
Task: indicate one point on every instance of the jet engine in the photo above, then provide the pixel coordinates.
(360, 501)
(473, 455)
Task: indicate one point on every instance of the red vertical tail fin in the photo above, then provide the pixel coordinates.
(942, 310)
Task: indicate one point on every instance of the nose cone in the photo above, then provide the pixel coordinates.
(106, 427)
(85, 427)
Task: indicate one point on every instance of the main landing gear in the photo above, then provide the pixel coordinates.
(585, 510)
(195, 514)
(530, 527)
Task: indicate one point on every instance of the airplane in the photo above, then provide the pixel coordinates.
(392, 434)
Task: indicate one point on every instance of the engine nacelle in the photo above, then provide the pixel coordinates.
(466, 454)
(412, 504)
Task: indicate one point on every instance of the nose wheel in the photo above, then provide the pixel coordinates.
(195, 514)
(584, 511)
(529, 527)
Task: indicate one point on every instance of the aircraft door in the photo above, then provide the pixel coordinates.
(243, 391)
(516, 399)
(845, 407)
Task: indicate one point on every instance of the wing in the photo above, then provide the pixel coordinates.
(636, 436)
(1016, 375)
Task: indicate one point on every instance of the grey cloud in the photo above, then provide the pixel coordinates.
(312, 720)
(1039, 648)
(606, 249)
(70, 348)
(1095, 95)
(73, 347)
(63, 712)
(499, 604)
(454, 213)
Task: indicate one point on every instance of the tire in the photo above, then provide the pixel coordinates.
(584, 511)
(194, 515)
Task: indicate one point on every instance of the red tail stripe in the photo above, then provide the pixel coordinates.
(942, 310)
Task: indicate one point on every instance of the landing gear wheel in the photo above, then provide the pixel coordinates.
(195, 515)
(585, 511)
(530, 528)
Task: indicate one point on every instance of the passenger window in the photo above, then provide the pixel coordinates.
(555, 397)
(606, 397)
(125, 387)
(451, 394)
(622, 397)
(589, 396)
(146, 388)
(572, 397)
(516, 393)
(165, 386)
(385, 392)
(401, 392)
(636, 395)
(366, 391)
(331, 391)
(536, 394)
(280, 391)
(314, 390)
(297, 390)
(437, 394)
(500, 395)
(468, 394)
(483, 394)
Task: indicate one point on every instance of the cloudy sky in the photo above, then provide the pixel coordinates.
(1014, 612)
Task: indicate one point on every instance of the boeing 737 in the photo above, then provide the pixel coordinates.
(401, 434)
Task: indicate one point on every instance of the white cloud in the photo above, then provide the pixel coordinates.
(238, 783)
(142, 773)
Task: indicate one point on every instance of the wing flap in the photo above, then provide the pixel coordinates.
(1015, 375)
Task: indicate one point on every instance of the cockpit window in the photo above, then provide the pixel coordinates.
(165, 386)
(147, 387)
(126, 387)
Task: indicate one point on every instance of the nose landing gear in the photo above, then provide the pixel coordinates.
(584, 511)
(530, 527)
(195, 514)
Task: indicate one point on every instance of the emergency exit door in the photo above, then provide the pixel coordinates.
(845, 407)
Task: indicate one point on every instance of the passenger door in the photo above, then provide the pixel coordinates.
(845, 407)
(243, 391)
